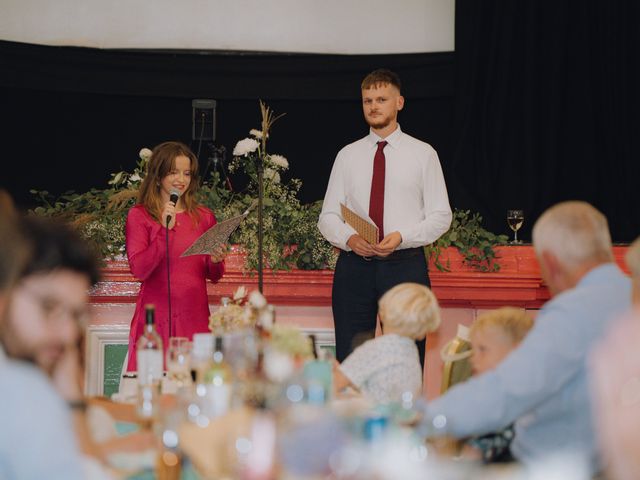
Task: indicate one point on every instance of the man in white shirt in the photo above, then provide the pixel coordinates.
(543, 385)
(399, 180)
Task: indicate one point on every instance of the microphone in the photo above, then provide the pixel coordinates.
(174, 195)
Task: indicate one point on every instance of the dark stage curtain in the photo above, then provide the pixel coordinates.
(547, 107)
(74, 115)
(539, 104)
(225, 75)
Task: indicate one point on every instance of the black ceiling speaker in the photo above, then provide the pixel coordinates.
(203, 124)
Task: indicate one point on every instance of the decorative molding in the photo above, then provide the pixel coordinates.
(518, 282)
(98, 337)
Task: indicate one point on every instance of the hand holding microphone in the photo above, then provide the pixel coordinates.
(169, 211)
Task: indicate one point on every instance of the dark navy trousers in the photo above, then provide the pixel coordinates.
(358, 285)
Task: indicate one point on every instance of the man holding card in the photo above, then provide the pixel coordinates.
(398, 180)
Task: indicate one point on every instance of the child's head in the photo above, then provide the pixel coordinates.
(409, 309)
(494, 334)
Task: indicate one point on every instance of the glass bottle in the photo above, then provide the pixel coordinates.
(200, 356)
(149, 355)
(318, 374)
(256, 389)
(218, 380)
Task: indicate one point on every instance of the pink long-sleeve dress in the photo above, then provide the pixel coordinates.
(146, 250)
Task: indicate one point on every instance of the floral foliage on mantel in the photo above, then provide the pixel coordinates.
(100, 214)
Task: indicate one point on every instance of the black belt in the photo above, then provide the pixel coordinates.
(396, 255)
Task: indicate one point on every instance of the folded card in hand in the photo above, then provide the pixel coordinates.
(364, 228)
(217, 235)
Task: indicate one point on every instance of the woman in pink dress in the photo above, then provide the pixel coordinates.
(172, 167)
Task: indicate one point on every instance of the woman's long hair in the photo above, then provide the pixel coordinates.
(161, 163)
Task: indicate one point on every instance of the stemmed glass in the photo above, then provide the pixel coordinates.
(179, 361)
(515, 219)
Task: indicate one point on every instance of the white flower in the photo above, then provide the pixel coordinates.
(277, 365)
(135, 177)
(257, 300)
(279, 161)
(144, 154)
(255, 133)
(240, 293)
(271, 175)
(245, 147)
(116, 178)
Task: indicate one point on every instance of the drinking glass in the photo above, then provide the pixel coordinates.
(179, 361)
(515, 219)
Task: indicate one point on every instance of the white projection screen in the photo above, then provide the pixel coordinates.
(297, 26)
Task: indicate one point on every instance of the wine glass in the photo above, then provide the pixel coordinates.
(179, 361)
(515, 219)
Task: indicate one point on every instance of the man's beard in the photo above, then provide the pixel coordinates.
(385, 122)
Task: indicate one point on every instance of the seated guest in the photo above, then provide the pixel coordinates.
(493, 336)
(48, 308)
(389, 365)
(542, 384)
(37, 438)
(47, 315)
(615, 371)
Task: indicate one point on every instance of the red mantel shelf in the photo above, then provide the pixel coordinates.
(518, 282)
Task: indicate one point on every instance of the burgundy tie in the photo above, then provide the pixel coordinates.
(376, 201)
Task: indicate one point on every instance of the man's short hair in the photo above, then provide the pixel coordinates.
(513, 322)
(411, 309)
(382, 76)
(55, 245)
(633, 258)
(574, 231)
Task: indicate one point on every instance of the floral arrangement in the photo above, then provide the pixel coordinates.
(285, 346)
(286, 221)
(240, 312)
(99, 214)
(287, 349)
(291, 240)
(246, 310)
(291, 340)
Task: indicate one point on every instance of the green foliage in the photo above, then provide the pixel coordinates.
(92, 215)
(291, 236)
(474, 243)
(100, 216)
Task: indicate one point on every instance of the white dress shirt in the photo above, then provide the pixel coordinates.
(416, 203)
(37, 439)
